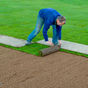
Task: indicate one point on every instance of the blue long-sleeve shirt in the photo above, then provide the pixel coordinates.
(50, 15)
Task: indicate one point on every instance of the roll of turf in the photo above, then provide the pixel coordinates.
(49, 50)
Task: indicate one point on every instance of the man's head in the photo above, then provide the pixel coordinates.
(61, 20)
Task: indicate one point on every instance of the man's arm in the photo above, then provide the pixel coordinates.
(45, 29)
(59, 33)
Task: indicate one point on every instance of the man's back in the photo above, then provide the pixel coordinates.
(49, 14)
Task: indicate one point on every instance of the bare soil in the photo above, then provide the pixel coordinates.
(58, 70)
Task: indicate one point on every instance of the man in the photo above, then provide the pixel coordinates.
(48, 17)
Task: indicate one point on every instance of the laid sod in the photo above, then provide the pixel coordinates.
(35, 51)
(32, 49)
(18, 19)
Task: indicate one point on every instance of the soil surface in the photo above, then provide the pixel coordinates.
(58, 70)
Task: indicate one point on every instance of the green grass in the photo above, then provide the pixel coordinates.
(18, 19)
(31, 49)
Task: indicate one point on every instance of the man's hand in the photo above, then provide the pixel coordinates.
(50, 43)
(60, 42)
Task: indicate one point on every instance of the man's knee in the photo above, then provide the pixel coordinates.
(36, 32)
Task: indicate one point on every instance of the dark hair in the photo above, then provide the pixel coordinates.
(61, 18)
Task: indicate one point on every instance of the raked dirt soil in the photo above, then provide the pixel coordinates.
(58, 70)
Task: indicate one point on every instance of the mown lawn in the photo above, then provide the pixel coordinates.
(18, 19)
